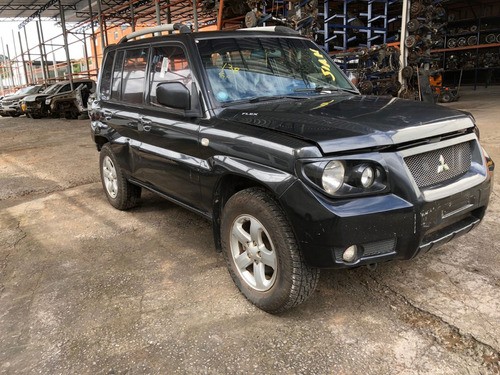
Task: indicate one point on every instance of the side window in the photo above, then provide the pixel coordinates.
(105, 88)
(117, 76)
(169, 64)
(134, 75)
(65, 88)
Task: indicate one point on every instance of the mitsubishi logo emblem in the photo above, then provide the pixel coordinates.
(442, 165)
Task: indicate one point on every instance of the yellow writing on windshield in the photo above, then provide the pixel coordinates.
(222, 73)
(325, 67)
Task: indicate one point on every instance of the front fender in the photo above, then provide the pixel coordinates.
(229, 175)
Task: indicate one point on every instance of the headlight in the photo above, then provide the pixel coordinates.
(365, 175)
(333, 176)
(47, 101)
(345, 178)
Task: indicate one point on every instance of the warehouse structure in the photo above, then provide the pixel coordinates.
(387, 46)
(89, 289)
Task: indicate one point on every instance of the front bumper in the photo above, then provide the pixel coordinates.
(382, 227)
(35, 108)
(12, 109)
(400, 225)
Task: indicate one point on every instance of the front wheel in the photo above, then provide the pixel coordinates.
(262, 254)
(119, 191)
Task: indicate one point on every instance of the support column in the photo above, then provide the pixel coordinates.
(43, 48)
(30, 61)
(1, 79)
(157, 12)
(195, 15)
(132, 16)
(403, 53)
(92, 38)
(66, 49)
(42, 62)
(10, 66)
(219, 17)
(22, 58)
(101, 26)
(18, 69)
(169, 13)
(158, 15)
(86, 54)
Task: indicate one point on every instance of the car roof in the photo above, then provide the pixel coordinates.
(282, 32)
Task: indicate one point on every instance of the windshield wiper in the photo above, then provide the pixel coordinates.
(320, 89)
(268, 98)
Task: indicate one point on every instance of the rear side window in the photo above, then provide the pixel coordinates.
(129, 74)
(116, 85)
(134, 75)
(169, 64)
(105, 84)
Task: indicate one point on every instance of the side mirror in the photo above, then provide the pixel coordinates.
(174, 95)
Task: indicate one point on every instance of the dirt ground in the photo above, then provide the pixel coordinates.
(87, 289)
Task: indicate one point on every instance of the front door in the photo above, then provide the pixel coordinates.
(167, 159)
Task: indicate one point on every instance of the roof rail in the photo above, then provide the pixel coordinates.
(279, 29)
(183, 29)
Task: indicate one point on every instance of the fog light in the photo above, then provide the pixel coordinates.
(350, 254)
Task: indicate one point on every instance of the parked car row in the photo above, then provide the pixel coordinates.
(57, 100)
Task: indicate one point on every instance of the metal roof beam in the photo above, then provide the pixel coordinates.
(40, 10)
(25, 7)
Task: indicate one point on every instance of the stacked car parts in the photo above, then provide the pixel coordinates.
(426, 31)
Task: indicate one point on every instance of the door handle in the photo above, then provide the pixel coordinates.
(107, 114)
(145, 124)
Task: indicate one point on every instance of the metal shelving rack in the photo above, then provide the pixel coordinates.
(344, 26)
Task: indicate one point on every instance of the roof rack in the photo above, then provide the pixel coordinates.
(183, 29)
(279, 29)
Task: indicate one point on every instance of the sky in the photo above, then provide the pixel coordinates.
(50, 30)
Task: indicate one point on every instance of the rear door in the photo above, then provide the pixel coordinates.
(122, 101)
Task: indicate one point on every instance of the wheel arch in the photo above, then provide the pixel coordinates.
(231, 183)
(100, 141)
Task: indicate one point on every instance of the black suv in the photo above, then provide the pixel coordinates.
(261, 133)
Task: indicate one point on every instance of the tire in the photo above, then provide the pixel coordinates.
(262, 254)
(445, 97)
(120, 192)
(413, 25)
(251, 19)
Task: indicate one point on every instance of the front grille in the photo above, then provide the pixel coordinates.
(379, 248)
(437, 166)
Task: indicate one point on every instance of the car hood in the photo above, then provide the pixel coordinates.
(333, 121)
(14, 97)
(33, 98)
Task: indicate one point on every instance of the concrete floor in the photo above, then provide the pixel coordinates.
(87, 289)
